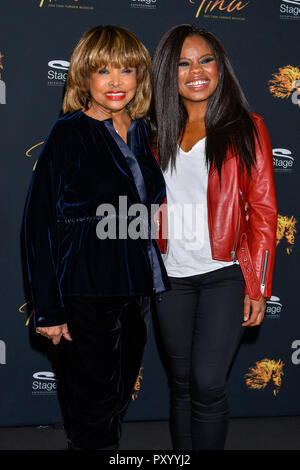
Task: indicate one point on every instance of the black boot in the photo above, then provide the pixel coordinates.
(71, 446)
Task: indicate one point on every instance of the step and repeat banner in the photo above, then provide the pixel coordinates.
(36, 41)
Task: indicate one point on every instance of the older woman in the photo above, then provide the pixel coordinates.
(217, 161)
(91, 281)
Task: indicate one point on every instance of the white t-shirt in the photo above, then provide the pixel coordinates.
(188, 247)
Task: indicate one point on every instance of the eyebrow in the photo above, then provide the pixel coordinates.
(204, 55)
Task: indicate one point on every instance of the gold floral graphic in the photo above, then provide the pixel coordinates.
(265, 372)
(137, 386)
(286, 229)
(285, 82)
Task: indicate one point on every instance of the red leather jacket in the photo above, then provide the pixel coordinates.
(252, 242)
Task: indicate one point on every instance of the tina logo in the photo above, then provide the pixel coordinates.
(286, 231)
(285, 84)
(2, 83)
(211, 8)
(264, 373)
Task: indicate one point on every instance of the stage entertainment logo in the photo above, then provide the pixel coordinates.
(71, 4)
(273, 309)
(2, 352)
(290, 10)
(58, 72)
(44, 383)
(2, 84)
(286, 231)
(283, 160)
(149, 4)
(296, 354)
(285, 84)
(264, 373)
(220, 9)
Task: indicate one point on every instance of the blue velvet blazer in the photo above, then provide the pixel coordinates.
(83, 164)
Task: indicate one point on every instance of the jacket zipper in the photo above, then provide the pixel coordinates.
(263, 277)
(157, 225)
(233, 255)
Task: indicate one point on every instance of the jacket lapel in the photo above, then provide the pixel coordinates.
(129, 156)
(118, 157)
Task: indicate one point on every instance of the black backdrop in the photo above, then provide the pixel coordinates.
(36, 41)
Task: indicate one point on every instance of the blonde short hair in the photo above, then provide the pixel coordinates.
(102, 46)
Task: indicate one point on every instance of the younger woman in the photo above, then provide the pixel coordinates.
(217, 161)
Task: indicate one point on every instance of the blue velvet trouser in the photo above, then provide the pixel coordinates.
(97, 370)
(200, 322)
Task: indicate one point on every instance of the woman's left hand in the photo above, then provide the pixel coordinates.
(54, 333)
(254, 311)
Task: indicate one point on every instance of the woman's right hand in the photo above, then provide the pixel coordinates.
(54, 333)
(254, 311)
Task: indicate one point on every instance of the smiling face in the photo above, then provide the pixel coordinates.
(197, 71)
(112, 89)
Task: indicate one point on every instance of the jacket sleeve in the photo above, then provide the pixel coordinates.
(261, 234)
(41, 237)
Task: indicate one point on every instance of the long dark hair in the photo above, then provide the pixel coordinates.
(228, 119)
